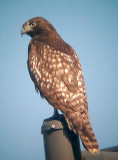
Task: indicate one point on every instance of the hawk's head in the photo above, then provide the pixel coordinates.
(37, 26)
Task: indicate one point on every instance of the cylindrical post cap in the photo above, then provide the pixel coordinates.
(53, 124)
(59, 142)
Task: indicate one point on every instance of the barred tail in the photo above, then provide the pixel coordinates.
(87, 136)
(81, 124)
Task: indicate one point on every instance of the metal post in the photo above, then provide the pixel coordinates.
(59, 142)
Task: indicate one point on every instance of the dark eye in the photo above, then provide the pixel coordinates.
(31, 24)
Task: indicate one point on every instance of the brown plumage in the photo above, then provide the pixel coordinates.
(56, 72)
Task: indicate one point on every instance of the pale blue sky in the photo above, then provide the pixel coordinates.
(91, 28)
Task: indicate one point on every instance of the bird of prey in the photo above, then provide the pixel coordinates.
(56, 72)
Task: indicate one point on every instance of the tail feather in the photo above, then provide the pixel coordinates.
(81, 124)
(90, 144)
(87, 136)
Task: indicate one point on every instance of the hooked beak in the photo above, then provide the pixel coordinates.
(22, 32)
(25, 28)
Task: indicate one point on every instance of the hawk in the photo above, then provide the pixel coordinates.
(56, 72)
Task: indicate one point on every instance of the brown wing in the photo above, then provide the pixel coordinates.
(73, 97)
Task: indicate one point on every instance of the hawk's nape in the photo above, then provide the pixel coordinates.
(56, 72)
